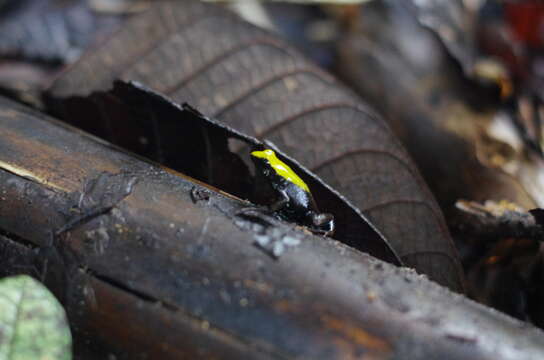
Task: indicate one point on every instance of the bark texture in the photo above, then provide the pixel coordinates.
(146, 269)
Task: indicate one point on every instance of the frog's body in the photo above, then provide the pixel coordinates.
(296, 202)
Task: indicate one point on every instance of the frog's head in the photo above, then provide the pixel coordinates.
(266, 154)
(268, 163)
(263, 159)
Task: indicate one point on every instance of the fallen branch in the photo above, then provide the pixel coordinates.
(160, 273)
(491, 221)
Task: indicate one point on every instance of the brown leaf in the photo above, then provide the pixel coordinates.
(39, 36)
(48, 31)
(247, 78)
(178, 136)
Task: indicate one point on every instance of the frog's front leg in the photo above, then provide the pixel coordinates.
(323, 223)
(281, 202)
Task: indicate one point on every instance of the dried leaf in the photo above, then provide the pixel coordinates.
(50, 31)
(39, 36)
(245, 77)
(181, 138)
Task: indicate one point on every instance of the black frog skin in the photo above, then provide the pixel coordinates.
(296, 202)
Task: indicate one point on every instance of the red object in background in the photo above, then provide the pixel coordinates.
(526, 20)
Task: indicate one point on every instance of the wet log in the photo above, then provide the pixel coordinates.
(150, 264)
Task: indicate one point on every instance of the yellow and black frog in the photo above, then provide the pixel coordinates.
(296, 202)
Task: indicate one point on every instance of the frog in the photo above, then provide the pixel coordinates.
(295, 202)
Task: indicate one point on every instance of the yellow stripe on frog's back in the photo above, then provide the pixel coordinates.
(281, 168)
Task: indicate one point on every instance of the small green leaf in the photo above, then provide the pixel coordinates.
(33, 324)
